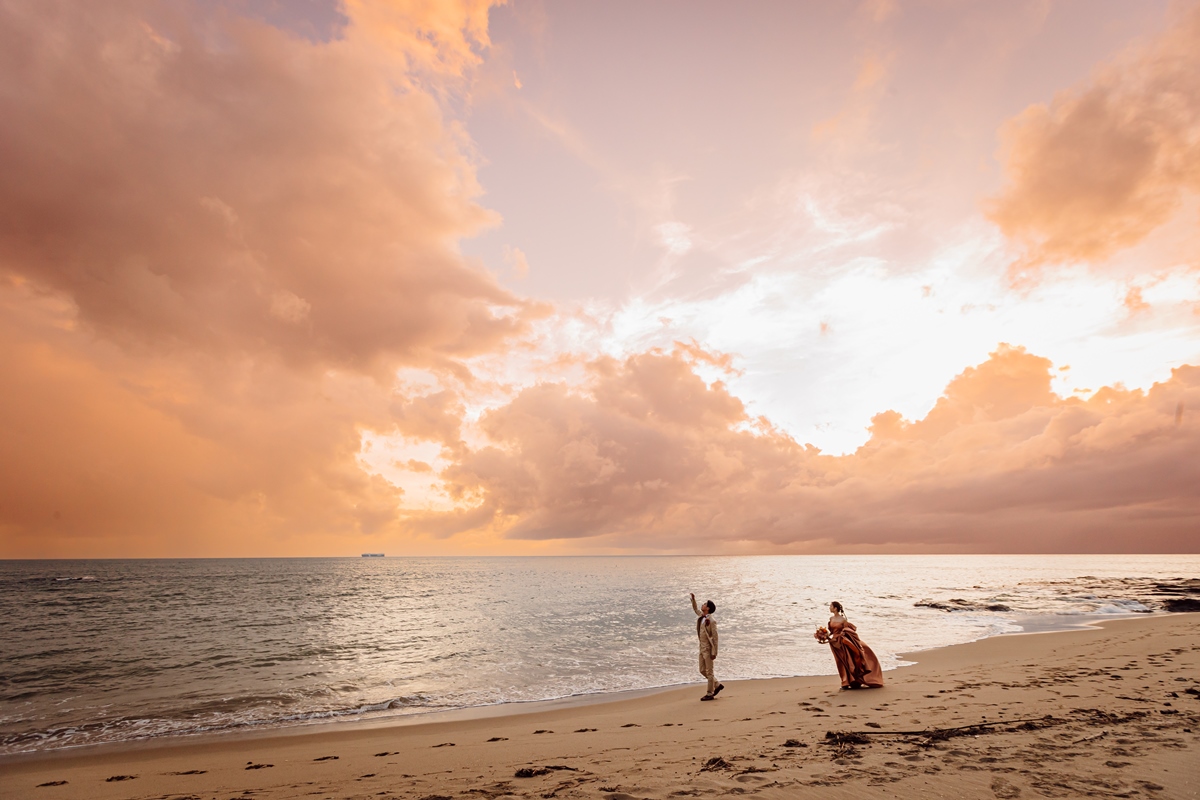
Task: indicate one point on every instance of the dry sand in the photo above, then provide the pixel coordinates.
(1110, 711)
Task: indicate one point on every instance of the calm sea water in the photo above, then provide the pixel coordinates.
(103, 651)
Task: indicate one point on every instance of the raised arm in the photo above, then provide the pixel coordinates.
(695, 607)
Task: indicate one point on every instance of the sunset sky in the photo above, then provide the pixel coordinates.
(310, 277)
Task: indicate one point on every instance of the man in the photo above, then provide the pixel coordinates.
(706, 630)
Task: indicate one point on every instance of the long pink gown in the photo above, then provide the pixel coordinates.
(857, 665)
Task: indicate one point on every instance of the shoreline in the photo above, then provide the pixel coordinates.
(1107, 681)
(1045, 624)
(336, 726)
(506, 708)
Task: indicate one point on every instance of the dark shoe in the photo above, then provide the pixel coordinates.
(717, 691)
(708, 697)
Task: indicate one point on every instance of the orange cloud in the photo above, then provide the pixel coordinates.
(649, 457)
(106, 452)
(517, 261)
(1104, 164)
(1134, 301)
(217, 244)
(854, 120)
(259, 193)
(440, 36)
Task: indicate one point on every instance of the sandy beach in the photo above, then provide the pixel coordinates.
(1109, 711)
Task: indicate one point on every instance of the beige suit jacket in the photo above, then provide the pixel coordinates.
(706, 631)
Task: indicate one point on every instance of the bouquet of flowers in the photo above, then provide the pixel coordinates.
(822, 635)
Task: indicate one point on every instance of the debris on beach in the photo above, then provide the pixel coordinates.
(533, 772)
(844, 742)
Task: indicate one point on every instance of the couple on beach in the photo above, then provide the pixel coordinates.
(856, 663)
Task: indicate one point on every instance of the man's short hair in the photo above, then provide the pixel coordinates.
(711, 606)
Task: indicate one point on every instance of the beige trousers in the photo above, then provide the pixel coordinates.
(706, 669)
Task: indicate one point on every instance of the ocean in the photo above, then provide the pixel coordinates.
(119, 650)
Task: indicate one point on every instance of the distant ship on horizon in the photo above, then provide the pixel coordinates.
(372, 555)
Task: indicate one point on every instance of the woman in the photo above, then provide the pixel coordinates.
(857, 665)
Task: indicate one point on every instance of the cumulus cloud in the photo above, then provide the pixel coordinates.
(218, 242)
(205, 184)
(649, 456)
(1103, 164)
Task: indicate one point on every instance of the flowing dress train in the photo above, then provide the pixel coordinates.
(856, 664)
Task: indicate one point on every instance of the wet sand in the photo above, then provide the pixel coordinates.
(1110, 711)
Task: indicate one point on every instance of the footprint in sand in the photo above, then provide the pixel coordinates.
(498, 739)
(445, 744)
(542, 730)
(585, 730)
(387, 753)
(52, 783)
(115, 778)
(629, 725)
(252, 765)
(1004, 789)
(326, 758)
(189, 772)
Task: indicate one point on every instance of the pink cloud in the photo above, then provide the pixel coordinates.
(648, 456)
(224, 186)
(217, 244)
